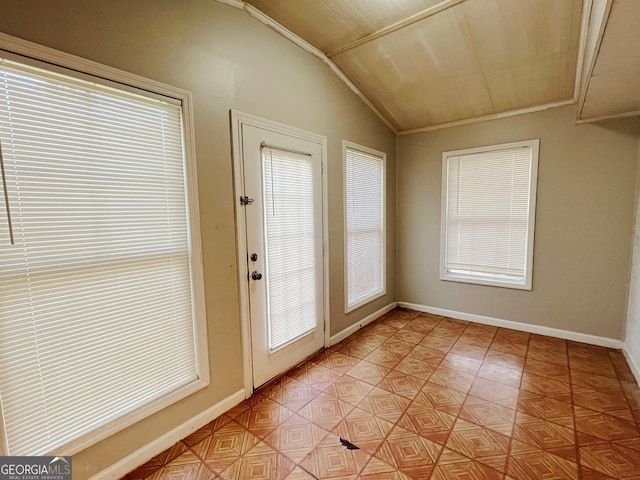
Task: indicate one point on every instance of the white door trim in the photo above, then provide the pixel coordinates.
(238, 119)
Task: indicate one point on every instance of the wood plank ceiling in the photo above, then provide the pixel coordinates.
(425, 63)
(612, 86)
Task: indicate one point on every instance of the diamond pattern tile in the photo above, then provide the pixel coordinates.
(318, 376)
(546, 369)
(397, 346)
(532, 463)
(488, 414)
(442, 398)
(497, 373)
(469, 350)
(406, 385)
(506, 360)
(384, 404)
(495, 392)
(593, 425)
(549, 356)
(261, 463)
(453, 466)
(326, 410)
(185, 467)
(330, 459)
(612, 460)
(602, 400)
(363, 429)
(437, 342)
(296, 437)
(293, 394)
(339, 361)
(349, 389)
(376, 469)
(546, 386)
(594, 381)
(426, 354)
(356, 349)
(300, 474)
(448, 377)
(372, 340)
(479, 443)
(225, 446)
(427, 422)
(423, 323)
(263, 418)
(416, 368)
(513, 336)
(461, 363)
(368, 372)
(384, 358)
(423, 397)
(504, 346)
(410, 453)
(547, 436)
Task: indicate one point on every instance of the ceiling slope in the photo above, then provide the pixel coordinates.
(611, 87)
(426, 64)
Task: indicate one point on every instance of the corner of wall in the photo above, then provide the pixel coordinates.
(631, 345)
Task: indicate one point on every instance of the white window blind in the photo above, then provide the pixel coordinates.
(365, 224)
(290, 245)
(96, 315)
(488, 214)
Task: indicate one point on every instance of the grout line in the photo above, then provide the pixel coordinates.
(573, 412)
(509, 450)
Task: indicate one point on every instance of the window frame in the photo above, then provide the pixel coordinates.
(347, 145)
(534, 146)
(59, 62)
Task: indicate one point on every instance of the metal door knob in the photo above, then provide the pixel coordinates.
(256, 276)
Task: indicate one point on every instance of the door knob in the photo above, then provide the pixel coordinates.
(256, 276)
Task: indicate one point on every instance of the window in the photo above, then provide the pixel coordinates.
(365, 224)
(291, 234)
(488, 214)
(100, 281)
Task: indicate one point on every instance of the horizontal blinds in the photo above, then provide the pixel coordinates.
(365, 225)
(95, 294)
(290, 238)
(487, 213)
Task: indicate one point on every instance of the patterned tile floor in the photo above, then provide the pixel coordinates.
(424, 396)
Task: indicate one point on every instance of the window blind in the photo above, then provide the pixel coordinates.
(290, 245)
(95, 294)
(365, 229)
(487, 216)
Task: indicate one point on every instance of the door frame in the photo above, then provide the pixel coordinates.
(238, 119)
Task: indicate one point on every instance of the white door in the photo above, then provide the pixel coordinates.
(283, 176)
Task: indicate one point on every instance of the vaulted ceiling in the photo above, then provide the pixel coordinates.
(425, 64)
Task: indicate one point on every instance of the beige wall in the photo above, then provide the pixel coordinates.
(584, 216)
(632, 330)
(228, 61)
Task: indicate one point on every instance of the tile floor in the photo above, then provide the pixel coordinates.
(423, 396)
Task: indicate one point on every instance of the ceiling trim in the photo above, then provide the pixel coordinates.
(634, 113)
(394, 27)
(582, 46)
(289, 35)
(484, 118)
(585, 76)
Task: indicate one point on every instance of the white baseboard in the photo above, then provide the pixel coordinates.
(160, 444)
(633, 364)
(338, 337)
(524, 327)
